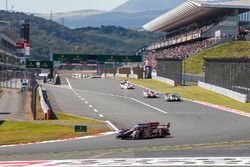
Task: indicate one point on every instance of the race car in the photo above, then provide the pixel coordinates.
(145, 131)
(123, 81)
(149, 94)
(172, 97)
(77, 76)
(127, 85)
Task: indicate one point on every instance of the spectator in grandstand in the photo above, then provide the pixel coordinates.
(181, 51)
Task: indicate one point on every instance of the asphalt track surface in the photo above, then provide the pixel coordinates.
(191, 123)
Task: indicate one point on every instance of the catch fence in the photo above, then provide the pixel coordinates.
(232, 74)
(170, 68)
(12, 79)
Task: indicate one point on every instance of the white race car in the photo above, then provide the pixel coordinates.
(77, 76)
(172, 97)
(123, 81)
(127, 85)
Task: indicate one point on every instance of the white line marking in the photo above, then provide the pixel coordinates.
(100, 115)
(90, 106)
(112, 125)
(96, 110)
(69, 83)
(82, 99)
(144, 162)
(223, 108)
(148, 105)
(62, 140)
(86, 102)
(80, 96)
(125, 97)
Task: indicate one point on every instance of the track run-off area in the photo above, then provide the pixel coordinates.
(197, 130)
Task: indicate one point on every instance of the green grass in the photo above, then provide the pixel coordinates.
(60, 128)
(193, 93)
(24, 132)
(195, 63)
(74, 119)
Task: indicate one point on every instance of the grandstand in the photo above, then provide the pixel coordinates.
(8, 55)
(194, 26)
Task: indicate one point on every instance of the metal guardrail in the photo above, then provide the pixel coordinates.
(44, 103)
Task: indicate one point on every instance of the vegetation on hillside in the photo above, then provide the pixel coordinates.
(49, 37)
(195, 64)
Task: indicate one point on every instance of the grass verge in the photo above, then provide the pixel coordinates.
(74, 119)
(193, 93)
(25, 132)
(195, 63)
(35, 131)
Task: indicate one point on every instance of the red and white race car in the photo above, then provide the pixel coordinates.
(145, 131)
(127, 85)
(148, 93)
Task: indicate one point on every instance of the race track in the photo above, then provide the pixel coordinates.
(191, 123)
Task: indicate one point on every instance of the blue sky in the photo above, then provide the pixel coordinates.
(45, 6)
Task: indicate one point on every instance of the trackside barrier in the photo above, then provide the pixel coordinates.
(45, 107)
(120, 76)
(226, 92)
(166, 80)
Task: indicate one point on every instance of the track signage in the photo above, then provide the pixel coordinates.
(40, 64)
(76, 58)
(80, 128)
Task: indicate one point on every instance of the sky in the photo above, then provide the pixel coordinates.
(46, 6)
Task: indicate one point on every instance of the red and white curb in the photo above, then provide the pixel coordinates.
(185, 161)
(221, 108)
(62, 140)
(234, 111)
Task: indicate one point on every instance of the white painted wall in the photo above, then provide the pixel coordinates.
(226, 92)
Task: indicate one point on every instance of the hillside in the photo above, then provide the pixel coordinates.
(49, 37)
(131, 14)
(194, 64)
(123, 19)
(147, 5)
(78, 13)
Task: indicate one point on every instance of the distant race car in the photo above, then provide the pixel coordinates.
(123, 81)
(144, 131)
(172, 97)
(77, 76)
(127, 85)
(150, 94)
(95, 76)
(86, 76)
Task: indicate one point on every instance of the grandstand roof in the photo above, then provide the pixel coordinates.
(195, 10)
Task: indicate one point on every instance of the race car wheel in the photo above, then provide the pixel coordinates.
(166, 133)
(135, 136)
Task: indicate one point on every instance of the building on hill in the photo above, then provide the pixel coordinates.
(195, 25)
(8, 55)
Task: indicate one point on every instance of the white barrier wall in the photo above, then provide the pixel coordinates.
(226, 92)
(44, 105)
(120, 75)
(166, 80)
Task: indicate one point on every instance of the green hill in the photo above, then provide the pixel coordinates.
(194, 64)
(49, 37)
